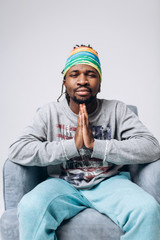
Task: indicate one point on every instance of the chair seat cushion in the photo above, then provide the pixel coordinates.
(88, 223)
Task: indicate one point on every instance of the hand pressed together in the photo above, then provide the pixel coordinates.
(83, 135)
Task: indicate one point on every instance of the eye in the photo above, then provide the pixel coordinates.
(91, 75)
(73, 75)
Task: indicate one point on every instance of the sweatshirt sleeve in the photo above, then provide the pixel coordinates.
(34, 148)
(133, 143)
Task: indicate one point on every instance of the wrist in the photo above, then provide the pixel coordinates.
(91, 146)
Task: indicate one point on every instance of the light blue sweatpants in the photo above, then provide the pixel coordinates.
(43, 209)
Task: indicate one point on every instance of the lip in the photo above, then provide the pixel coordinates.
(83, 91)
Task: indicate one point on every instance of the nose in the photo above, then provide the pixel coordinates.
(82, 79)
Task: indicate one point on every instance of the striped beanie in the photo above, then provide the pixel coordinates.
(83, 55)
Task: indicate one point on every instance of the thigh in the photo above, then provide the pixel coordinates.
(43, 209)
(118, 196)
(50, 189)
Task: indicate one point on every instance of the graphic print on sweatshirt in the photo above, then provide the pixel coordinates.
(84, 168)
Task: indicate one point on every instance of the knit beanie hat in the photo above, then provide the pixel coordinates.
(83, 55)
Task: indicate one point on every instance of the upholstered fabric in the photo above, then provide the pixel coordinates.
(18, 180)
(147, 176)
(88, 223)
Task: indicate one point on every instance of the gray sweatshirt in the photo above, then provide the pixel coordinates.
(120, 139)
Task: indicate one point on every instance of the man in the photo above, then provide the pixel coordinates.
(91, 139)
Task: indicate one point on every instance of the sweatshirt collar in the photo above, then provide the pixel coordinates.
(74, 116)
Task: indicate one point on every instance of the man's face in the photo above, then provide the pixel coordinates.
(82, 83)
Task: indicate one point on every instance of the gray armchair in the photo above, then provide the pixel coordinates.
(88, 224)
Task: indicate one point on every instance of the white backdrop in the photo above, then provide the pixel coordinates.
(36, 37)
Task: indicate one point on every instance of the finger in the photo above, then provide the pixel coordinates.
(79, 121)
(84, 108)
(80, 108)
(83, 120)
(86, 115)
(82, 115)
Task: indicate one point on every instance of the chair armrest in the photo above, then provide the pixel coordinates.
(147, 176)
(133, 109)
(18, 180)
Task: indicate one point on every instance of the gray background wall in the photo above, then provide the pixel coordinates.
(36, 37)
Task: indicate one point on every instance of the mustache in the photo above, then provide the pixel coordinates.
(89, 89)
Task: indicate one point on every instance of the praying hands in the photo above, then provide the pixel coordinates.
(83, 135)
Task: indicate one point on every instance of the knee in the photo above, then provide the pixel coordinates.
(149, 208)
(28, 205)
(34, 201)
(152, 207)
(43, 195)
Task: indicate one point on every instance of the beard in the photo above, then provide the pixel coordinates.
(81, 100)
(86, 101)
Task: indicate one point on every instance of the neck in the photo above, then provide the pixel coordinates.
(90, 106)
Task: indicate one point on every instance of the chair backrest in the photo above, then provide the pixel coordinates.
(133, 109)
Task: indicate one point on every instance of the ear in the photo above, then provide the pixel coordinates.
(99, 88)
(64, 81)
